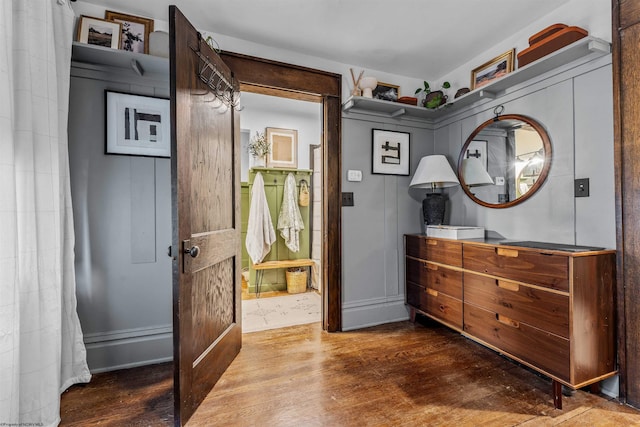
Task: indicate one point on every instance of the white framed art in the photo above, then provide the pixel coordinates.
(390, 152)
(137, 125)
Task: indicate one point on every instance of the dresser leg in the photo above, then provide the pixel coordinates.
(595, 388)
(412, 315)
(556, 392)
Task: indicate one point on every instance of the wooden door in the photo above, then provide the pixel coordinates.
(206, 216)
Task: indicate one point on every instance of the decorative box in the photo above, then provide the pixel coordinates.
(455, 232)
(549, 40)
(409, 100)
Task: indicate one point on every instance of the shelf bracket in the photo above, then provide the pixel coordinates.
(348, 105)
(135, 65)
(487, 94)
(597, 45)
(398, 112)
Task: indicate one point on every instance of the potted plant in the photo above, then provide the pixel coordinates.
(259, 147)
(433, 99)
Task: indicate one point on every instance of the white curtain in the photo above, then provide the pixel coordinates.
(41, 347)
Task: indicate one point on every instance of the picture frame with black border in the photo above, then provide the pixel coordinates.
(390, 154)
(137, 125)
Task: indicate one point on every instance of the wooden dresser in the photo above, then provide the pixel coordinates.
(549, 309)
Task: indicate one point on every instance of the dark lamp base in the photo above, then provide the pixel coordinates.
(433, 208)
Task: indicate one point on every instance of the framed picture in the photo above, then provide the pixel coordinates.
(386, 91)
(135, 31)
(99, 32)
(492, 70)
(478, 149)
(138, 125)
(284, 148)
(390, 153)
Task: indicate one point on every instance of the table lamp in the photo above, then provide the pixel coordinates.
(474, 174)
(434, 172)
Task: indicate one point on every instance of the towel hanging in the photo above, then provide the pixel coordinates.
(260, 232)
(289, 220)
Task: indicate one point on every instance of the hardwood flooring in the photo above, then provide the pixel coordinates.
(390, 375)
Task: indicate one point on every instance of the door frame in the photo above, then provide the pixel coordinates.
(267, 77)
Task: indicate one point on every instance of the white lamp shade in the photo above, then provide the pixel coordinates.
(434, 172)
(474, 173)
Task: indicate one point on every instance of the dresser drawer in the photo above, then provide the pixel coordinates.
(551, 271)
(444, 307)
(437, 277)
(442, 251)
(545, 310)
(542, 349)
(416, 296)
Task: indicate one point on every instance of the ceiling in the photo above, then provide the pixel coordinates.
(413, 38)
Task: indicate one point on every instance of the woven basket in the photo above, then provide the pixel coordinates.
(296, 281)
(304, 193)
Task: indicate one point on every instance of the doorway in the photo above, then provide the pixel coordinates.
(259, 75)
(281, 297)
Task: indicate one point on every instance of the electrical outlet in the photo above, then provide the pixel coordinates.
(347, 199)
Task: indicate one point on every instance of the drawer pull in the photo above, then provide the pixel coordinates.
(507, 321)
(511, 253)
(432, 242)
(432, 292)
(510, 286)
(431, 267)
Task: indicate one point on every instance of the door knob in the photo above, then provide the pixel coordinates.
(194, 251)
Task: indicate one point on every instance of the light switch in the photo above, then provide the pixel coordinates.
(354, 175)
(499, 180)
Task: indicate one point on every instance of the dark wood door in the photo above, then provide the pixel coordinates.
(206, 217)
(626, 94)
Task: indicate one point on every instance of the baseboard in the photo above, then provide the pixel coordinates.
(129, 348)
(372, 312)
(611, 386)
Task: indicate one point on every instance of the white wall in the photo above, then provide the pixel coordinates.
(262, 111)
(122, 216)
(592, 15)
(407, 84)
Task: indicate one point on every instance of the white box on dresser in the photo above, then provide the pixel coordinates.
(455, 232)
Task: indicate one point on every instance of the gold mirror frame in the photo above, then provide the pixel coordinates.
(546, 142)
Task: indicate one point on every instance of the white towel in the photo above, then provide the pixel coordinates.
(290, 221)
(260, 232)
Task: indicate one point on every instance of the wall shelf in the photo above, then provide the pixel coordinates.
(140, 63)
(587, 48)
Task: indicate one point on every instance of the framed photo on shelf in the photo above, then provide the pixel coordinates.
(99, 32)
(390, 152)
(137, 125)
(284, 148)
(492, 70)
(135, 31)
(387, 92)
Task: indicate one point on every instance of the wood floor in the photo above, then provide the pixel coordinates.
(391, 375)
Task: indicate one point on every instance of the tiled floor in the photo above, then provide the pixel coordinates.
(281, 311)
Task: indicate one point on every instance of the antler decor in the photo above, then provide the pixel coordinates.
(356, 83)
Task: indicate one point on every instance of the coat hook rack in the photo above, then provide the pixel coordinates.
(221, 87)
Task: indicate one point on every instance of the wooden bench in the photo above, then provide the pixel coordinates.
(270, 265)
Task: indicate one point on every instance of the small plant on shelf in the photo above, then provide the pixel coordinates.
(433, 99)
(259, 146)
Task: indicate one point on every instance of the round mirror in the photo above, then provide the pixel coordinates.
(504, 161)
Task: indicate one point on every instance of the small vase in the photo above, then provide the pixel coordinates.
(259, 162)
